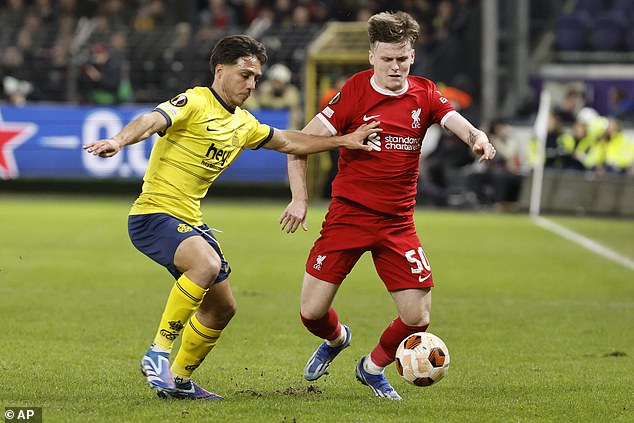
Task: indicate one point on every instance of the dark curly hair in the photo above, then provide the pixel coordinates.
(229, 49)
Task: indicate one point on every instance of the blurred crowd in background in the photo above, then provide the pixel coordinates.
(579, 139)
(115, 51)
(108, 52)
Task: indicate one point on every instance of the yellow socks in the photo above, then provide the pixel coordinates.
(197, 341)
(183, 300)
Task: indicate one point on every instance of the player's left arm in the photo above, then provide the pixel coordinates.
(476, 139)
(294, 214)
(299, 143)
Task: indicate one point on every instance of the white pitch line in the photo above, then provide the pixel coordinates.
(584, 242)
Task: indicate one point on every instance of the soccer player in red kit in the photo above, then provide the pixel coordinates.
(373, 198)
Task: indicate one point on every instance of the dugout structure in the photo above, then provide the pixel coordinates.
(339, 51)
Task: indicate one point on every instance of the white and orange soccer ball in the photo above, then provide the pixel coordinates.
(422, 359)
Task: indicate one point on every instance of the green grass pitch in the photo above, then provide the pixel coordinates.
(539, 329)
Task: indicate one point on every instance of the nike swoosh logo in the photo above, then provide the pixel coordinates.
(211, 129)
(367, 118)
(421, 279)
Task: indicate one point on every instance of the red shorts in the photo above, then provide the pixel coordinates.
(350, 230)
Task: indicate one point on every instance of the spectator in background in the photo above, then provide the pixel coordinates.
(102, 75)
(317, 11)
(622, 104)
(618, 153)
(16, 77)
(277, 92)
(143, 20)
(261, 22)
(117, 14)
(560, 150)
(217, 15)
(594, 126)
(300, 17)
(498, 182)
(450, 157)
(215, 20)
(55, 84)
(567, 146)
(247, 11)
(556, 145)
(11, 17)
(283, 13)
(569, 106)
(119, 51)
(175, 56)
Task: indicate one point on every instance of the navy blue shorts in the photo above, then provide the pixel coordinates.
(158, 235)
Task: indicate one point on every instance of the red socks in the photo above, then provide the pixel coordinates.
(326, 327)
(384, 352)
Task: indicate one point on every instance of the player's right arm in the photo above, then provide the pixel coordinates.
(295, 213)
(137, 130)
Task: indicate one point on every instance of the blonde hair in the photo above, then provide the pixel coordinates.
(393, 27)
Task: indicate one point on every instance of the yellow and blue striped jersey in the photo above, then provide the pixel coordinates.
(204, 136)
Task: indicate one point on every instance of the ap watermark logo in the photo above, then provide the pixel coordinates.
(23, 414)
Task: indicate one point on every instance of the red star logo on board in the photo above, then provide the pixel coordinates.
(12, 135)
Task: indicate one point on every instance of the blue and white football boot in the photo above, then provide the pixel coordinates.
(319, 362)
(378, 383)
(188, 390)
(155, 366)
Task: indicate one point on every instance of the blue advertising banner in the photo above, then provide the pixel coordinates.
(45, 141)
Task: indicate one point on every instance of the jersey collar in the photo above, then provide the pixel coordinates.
(221, 101)
(384, 91)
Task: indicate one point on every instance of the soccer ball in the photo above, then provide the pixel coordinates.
(422, 359)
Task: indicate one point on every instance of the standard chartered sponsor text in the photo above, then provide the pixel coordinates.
(392, 142)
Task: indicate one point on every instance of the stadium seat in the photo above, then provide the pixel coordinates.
(571, 32)
(607, 32)
(624, 7)
(628, 38)
(592, 7)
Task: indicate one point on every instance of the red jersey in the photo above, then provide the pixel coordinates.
(384, 179)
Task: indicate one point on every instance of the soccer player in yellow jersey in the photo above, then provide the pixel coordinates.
(202, 131)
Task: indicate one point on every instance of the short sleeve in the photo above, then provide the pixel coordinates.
(258, 133)
(440, 105)
(178, 109)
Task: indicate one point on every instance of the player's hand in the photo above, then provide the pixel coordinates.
(357, 139)
(483, 148)
(293, 216)
(103, 148)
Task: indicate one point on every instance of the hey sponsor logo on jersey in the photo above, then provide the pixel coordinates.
(215, 156)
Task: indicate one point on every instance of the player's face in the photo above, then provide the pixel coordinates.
(234, 83)
(391, 63)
